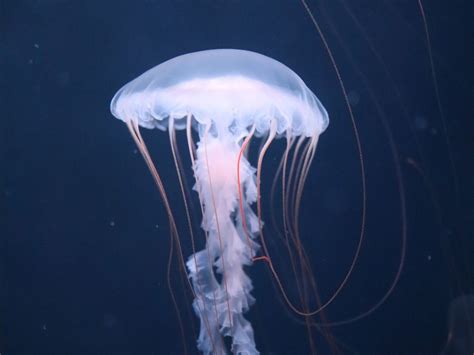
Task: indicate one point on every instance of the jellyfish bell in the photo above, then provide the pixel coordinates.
(228, 96)
(227, 88)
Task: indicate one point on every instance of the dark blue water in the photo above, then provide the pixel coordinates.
(84, 239)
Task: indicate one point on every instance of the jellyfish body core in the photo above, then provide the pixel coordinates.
(228, 96)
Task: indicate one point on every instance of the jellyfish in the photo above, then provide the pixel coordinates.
(228, 97)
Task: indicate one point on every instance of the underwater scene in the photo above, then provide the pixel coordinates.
(241, 177)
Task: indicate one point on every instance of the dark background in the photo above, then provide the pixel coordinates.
(83, 235)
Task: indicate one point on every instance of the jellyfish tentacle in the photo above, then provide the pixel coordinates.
(434, 77)
(286, 206)
(228, 249)
(363, 183)
(263, 151)
(278, 174)
(239, 188)
(294, 173)
(192, 155)
(213, 198)
(135, 133)
(178, 166)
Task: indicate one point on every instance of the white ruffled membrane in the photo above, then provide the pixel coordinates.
(227, 249)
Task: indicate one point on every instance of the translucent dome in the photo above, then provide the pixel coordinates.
(227, 88)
